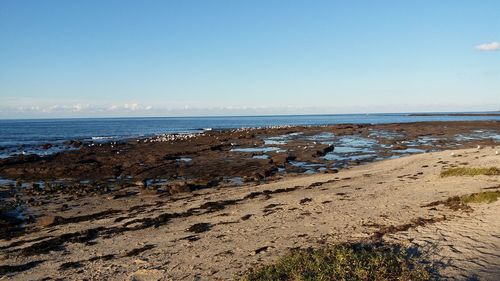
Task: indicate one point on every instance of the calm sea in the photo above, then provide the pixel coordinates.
(18, 136)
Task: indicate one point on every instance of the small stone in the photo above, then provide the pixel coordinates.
(48, 221)
(147, 275)
(199, 227)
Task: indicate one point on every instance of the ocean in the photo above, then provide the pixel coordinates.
(27, 136)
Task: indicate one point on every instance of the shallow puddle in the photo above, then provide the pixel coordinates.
(237, 181)
(258, 149)
(385, 134)
(282, 139)
(263, 156)
(322, 136)
(408, 151)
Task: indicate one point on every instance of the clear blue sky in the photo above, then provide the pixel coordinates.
(143, 58)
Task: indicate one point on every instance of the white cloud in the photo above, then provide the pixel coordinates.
(493, 46)
(132, 106)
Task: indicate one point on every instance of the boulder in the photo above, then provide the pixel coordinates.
(323, 151)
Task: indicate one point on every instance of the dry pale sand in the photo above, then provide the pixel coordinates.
(255, 224)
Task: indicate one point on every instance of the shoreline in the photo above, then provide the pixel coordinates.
(185, 185)
(218, 233)
(32, 136)
(467, 113)
(464, 114)
(246, 154)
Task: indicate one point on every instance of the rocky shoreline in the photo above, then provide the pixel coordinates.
(218, 233)
(250, 154)
(172, 164)
(187, 176)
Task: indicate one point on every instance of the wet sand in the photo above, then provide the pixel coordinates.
(217, 231)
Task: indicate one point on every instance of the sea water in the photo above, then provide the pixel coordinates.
(27, 136)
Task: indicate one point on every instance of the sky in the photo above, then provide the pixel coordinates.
(110, 58)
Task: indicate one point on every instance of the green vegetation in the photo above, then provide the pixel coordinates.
(465, 171)
(461, 202)
(481, 197)
(345, 262)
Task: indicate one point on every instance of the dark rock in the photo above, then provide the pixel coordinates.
(70, 265)
(9, 219)
(246, 217)
(200, 184)
(257, 176)
(324, 151)
(20, 159)
(89, 161)
(270, 171)
(5, 269)
(178, 188)
(280, 159)
(191, 238)
(123, 194)
(200, 227)
(305, 200)
(170, 157)
(137, 251)
(217, 147)
(46, 146)
(73, 143)
(294, 169)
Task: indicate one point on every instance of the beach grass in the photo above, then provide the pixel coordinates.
(481, 197)
(462, 202)
(469, 171)
(345, 262)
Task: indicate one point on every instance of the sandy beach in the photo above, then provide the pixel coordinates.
(219, 233)
(249, 140)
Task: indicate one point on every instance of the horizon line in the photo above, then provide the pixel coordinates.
(263, 115)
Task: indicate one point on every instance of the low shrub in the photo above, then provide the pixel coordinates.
(345, 262)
